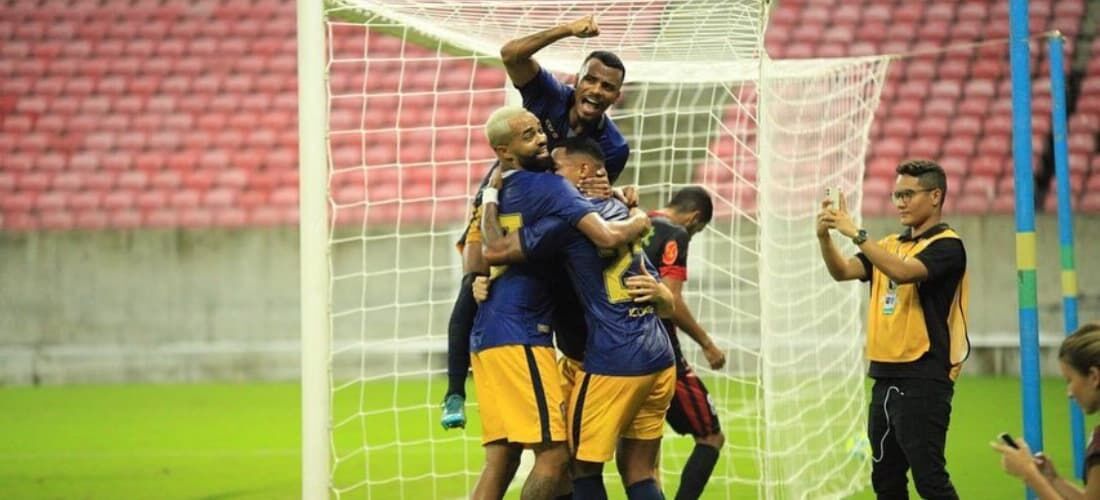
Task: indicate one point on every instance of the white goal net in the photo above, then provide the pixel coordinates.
(409, 86)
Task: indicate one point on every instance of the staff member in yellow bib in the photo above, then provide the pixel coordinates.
(916, 328)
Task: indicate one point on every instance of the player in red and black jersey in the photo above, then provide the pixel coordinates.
(691, 411)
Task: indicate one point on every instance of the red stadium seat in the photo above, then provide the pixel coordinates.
(989, 69)
(83, 201)
(999, 125)
(946, 89)
(907, 13)
(932, 126)
(1070, 9)
(940, 107)
(973, 11)
(1090, 202)
(1006, 184)
(966, 126)
(57, 220)
(968, 206)
(889, 147)
(924, 147)
(988, 165)
(119, 199)
(906, 108)
(1082, 143)
(960, 146)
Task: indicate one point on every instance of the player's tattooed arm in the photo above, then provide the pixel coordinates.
(497, 247)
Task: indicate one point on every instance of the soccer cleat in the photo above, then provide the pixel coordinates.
(454, 412)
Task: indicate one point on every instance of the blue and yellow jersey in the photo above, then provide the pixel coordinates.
(624, 337)
(519, 308)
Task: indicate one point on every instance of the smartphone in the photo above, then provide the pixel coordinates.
(833, 195)
(1008, 440)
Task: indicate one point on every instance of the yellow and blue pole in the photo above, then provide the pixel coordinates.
(1025, 225)
(1065, 227)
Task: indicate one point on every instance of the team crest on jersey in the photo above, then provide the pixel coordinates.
(671, 252)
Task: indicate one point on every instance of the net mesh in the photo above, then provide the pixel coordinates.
(410, 85)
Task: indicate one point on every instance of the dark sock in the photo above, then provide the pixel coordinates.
(458, 337)
(645, 489)
(567, 496)
(697, 472)
(589, 488)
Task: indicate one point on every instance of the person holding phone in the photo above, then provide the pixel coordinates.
(916, 328)
(1079, 358)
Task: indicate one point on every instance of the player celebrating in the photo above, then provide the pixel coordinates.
(511, 351)
(563, 111)
(691, 411)
(627, 378)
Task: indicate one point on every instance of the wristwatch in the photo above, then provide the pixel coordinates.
(860, 237)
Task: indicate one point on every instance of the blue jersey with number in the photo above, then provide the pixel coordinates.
(519, 307)
(624, 337)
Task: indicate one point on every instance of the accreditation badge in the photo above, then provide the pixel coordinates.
(890, 301)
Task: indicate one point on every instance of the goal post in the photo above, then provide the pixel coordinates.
(393, 149)
(313, 248)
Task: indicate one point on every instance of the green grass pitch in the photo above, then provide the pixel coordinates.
(241, 441)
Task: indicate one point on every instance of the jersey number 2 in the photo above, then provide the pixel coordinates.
(613, 274)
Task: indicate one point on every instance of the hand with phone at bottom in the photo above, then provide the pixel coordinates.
(1016, 457)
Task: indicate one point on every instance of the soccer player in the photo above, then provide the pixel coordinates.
(628, 375)
(563, 111)
(511, 350)
(916, 328)
(692, 411)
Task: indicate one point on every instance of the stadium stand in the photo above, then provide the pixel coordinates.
(954, 106)
(142, 113)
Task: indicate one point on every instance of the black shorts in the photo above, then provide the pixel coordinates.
(691, 410)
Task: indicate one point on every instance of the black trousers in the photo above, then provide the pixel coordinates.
(907, 427)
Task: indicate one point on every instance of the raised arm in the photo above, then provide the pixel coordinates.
(613, 234)
(517, 54)
(839, 268)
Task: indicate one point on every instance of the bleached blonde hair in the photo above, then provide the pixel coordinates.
(498, 128)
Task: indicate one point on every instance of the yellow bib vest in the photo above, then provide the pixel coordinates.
(896, 328)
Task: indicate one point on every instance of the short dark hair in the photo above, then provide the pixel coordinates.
(608, 59)
(929, 174)
(584, 145)
(693, 199)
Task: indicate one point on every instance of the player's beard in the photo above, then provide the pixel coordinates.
(537, 163)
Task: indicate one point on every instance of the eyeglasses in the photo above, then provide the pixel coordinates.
(907, 194)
